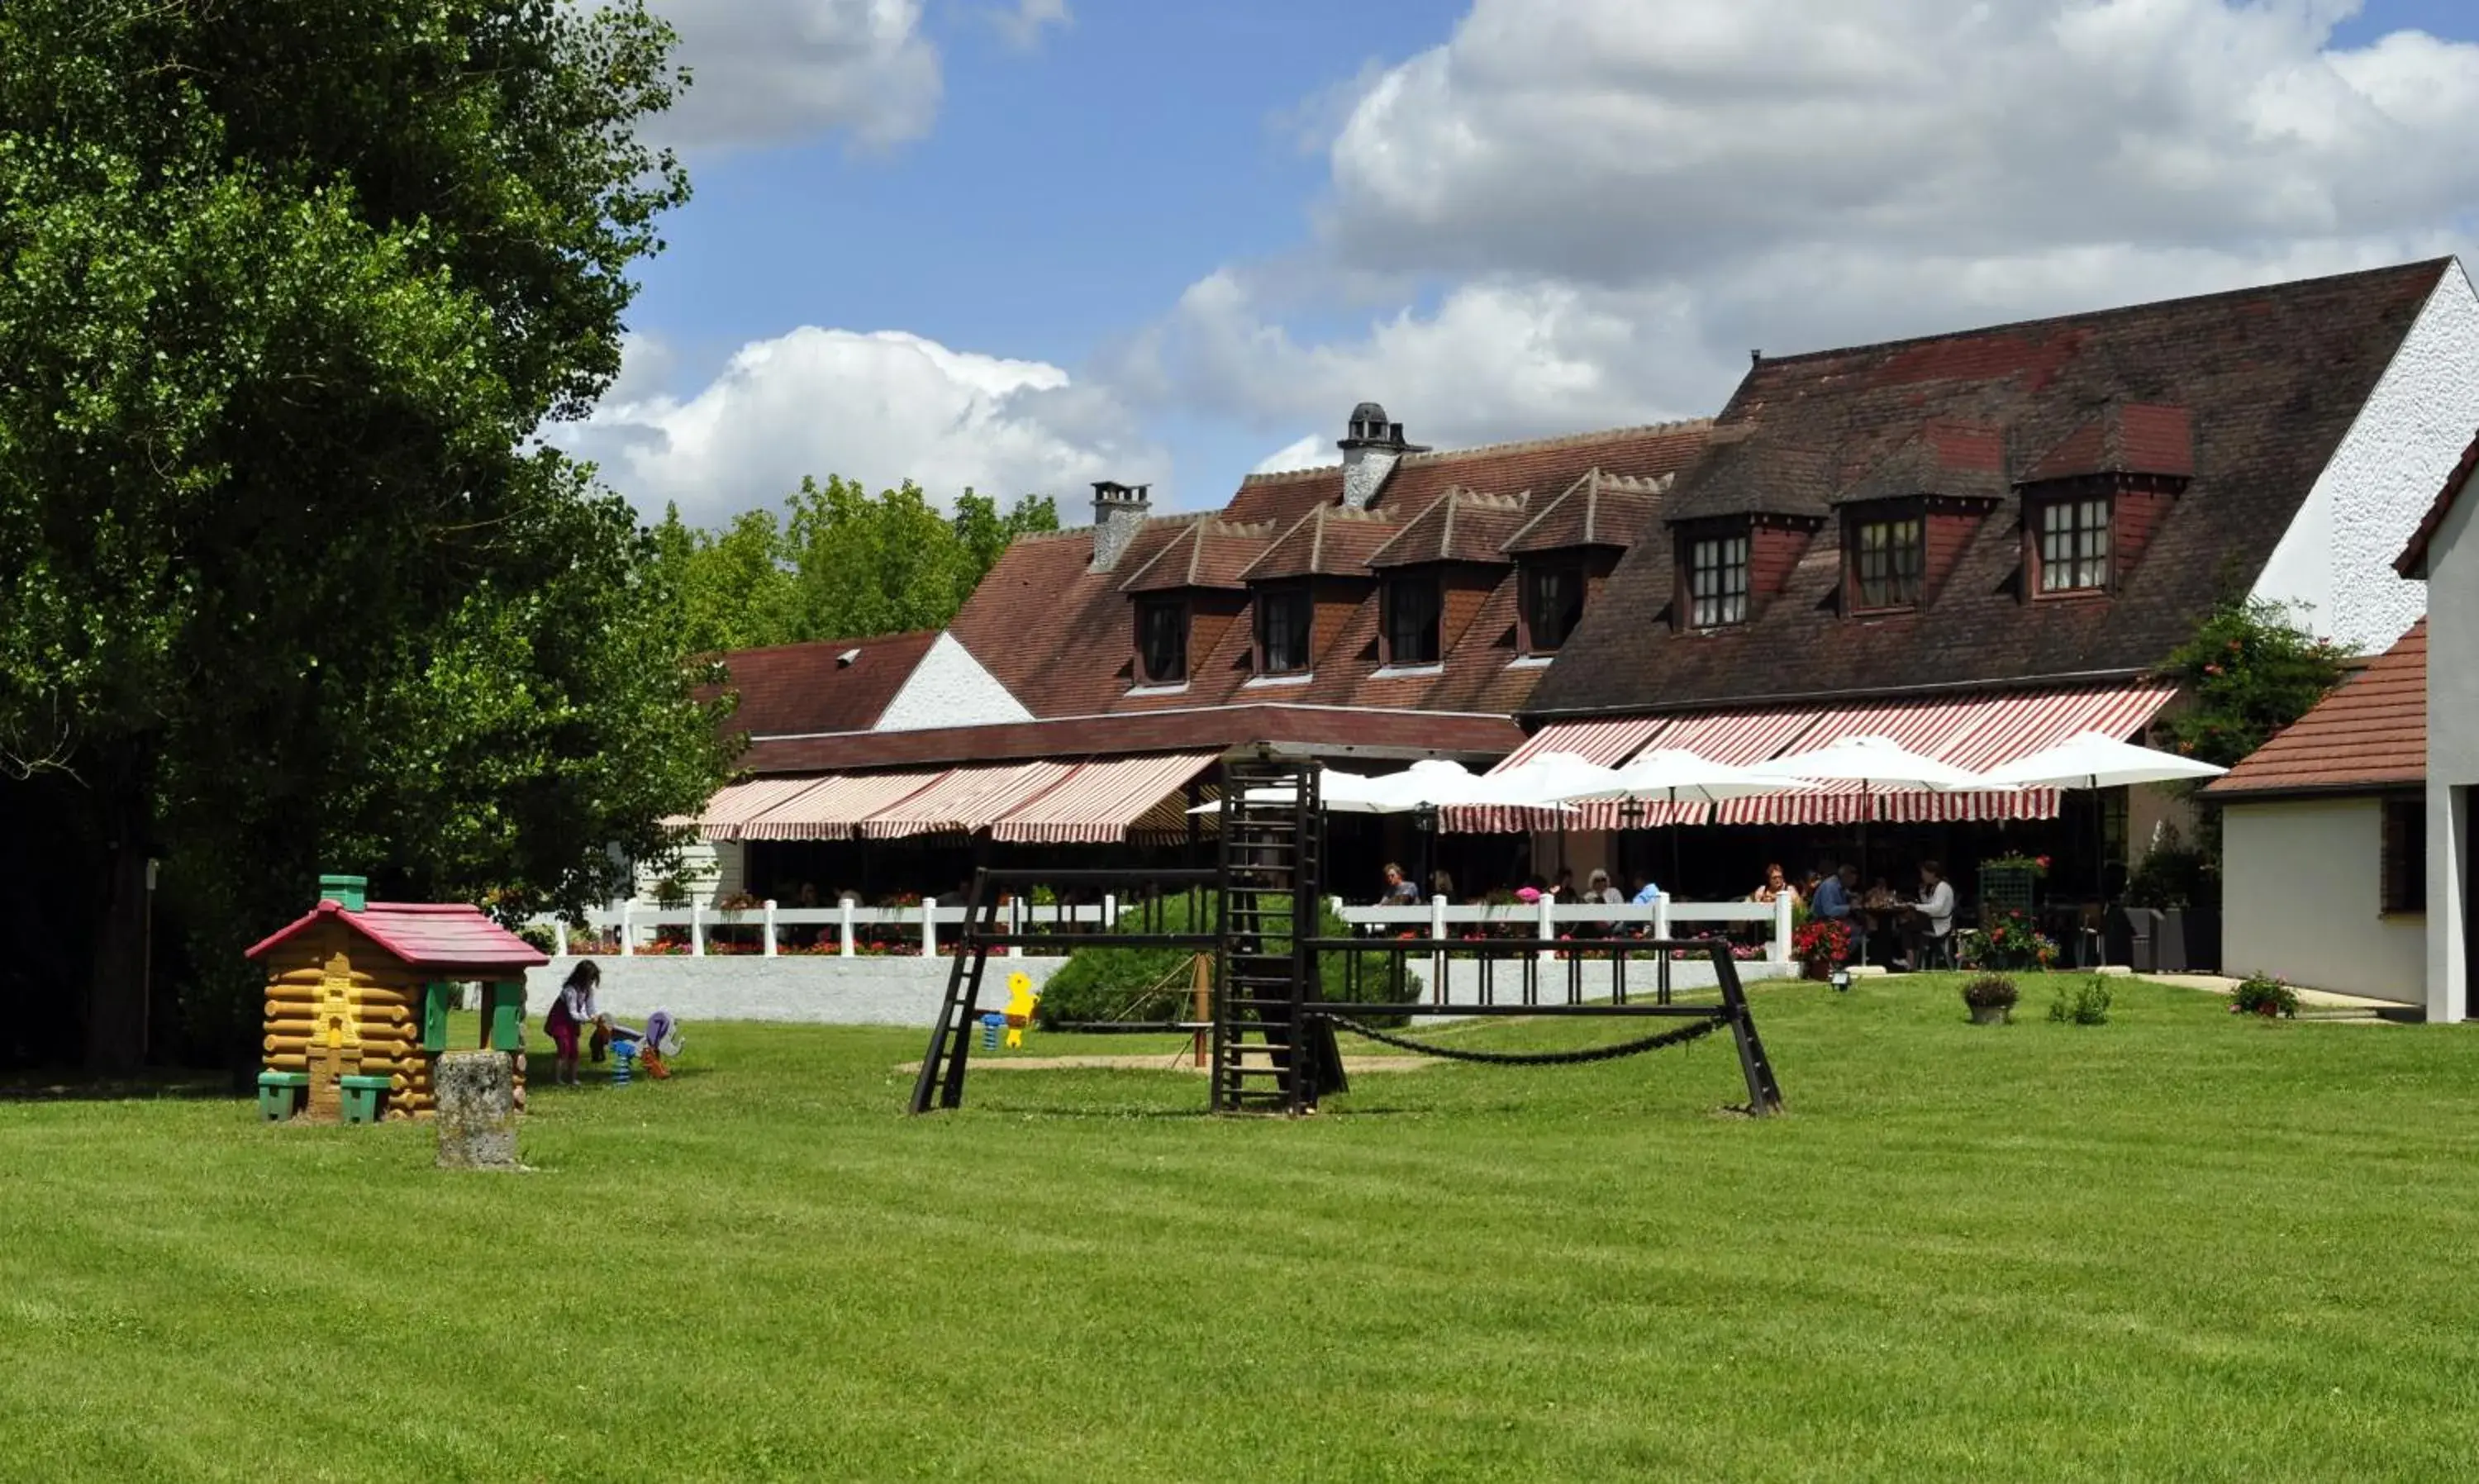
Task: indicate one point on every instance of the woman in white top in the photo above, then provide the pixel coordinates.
(1932, 917)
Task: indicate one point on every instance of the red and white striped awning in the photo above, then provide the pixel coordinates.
(735, 804)
(1104, 801)
(967, 798)
(1977, 732)
(832, 808)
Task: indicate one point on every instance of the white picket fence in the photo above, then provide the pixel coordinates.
(1548, 919)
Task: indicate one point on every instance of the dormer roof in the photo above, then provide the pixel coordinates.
(1209, 554)
(1748, 471)
(2127, 438)
(1458, 525)
(1600, 509)
(1329, 541)
(1954, 460)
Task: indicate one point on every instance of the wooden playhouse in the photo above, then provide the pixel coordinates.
(357, 1000)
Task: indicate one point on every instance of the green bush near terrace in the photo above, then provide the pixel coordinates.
(2197, 1246)
(1154, 984)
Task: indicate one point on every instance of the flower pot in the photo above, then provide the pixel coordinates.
(1992, 1014)
(1818, 970)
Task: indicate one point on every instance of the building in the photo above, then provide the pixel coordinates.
(2444, 553)
(2324, 839)
(1400, 604)
(1979, 544)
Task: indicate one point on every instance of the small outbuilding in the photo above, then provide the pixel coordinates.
(358, 994)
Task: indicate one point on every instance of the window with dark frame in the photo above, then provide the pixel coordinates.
(1553, 605)
(2405, 852)
(1161, 641)
(1717, 580)
(2073, 545)
(1283, 617)
(1412, 620)
(1887, 557)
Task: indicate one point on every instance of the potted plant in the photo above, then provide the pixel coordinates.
(1819, 946)
(2262, 995)
(1991, 998)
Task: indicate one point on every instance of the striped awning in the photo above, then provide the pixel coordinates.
(735, 804)
(832, 808)
(1978, 732)
(967, 798)
(1107, 800)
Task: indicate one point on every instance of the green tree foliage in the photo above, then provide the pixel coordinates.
(842, 564)
(2246, 674)
(286, 291)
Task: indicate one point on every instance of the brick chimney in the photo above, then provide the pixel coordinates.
(1370, 449)
(1119, 512)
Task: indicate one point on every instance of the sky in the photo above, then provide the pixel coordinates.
(1020, 245)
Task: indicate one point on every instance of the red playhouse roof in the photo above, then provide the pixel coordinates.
(427, 935)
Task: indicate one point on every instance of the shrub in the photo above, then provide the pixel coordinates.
(2089, 1004)
(2262, 994)
(1989, 992)
(2010, 942)
(540, 936)
(1826, 939)
(1155, 983)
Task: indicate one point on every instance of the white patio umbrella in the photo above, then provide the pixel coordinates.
(1877, 764)
(1674, 775)
(1337, 791)
(2094, 760)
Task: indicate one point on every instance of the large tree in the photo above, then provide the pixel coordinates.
(843, 564)
(287, 288)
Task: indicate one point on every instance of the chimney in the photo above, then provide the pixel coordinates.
(1370, 449)
(350, 892)
(1118, 511)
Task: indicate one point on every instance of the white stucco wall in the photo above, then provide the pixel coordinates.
(2336, 558)
(710, 869)
(950, 688)
(2452, 751)
(2303, 893)
(792, 989)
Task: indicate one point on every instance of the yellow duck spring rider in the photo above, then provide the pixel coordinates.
(1022, 997)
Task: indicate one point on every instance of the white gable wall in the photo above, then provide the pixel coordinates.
(2452, 752)
(950, 688)
(2336, 558)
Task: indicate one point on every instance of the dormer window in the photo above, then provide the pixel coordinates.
(2073, 546)
(1411, 604)
(1284, 617)
(1888, 559)
(1553, 603)
(1717, 580)
(1161, 641)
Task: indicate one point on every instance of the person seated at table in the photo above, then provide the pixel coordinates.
(1565, 890)
(1646, 892)
(1440, 884)
(1597, 888)
(1398, 893)
(1931, 918)
(1776, 886)
(1835, 895)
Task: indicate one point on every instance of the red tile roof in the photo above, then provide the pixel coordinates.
(2371, 734)
(807, 687)
(445, 937)
(2413, 562)
(1599, 509)
(1458, 526)
(2270, 380)
(2125, 439)
(1061, 636)
(1209, 554)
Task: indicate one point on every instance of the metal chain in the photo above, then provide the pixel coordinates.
(1678, 1037)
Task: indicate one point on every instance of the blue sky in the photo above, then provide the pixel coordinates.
(1106, 238)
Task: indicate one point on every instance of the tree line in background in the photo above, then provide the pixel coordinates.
(840, 564)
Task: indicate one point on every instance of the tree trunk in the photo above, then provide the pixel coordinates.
(115, 1005)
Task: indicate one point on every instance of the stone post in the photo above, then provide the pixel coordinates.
(477, 1109)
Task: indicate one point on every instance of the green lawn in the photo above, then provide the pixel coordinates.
(2178, 1245)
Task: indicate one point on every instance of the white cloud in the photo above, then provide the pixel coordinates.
(1597, 208)
(1023, 26)
(881, 408)
(1308, 452)
(770, 71)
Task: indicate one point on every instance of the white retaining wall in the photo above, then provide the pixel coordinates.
(888, 990)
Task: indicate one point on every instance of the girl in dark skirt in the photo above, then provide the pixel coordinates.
(573, 1012)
